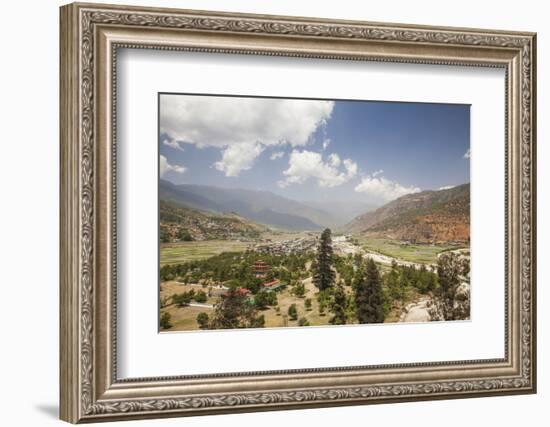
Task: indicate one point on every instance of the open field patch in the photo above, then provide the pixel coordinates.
(417, 253)
(177, 253)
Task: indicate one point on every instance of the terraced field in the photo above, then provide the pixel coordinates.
(176, 253)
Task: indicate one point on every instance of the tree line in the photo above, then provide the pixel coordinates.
(236, 269)
(374, 293)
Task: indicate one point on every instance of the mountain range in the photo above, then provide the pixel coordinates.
(263, 207)
(425, 217)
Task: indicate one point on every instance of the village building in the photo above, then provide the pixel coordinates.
(242, 292)
(273, 285)
(261, 269)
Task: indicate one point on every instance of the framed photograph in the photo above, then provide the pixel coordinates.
(266, 213)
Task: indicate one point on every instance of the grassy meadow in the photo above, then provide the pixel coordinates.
(177, 253)
(180, 252)
(423, 254)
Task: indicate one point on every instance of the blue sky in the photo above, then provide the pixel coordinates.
(314, 149)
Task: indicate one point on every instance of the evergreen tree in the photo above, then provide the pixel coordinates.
(323, 275)
(293, 312)
(165, 322)
(298, 290)
(368, 294)
(203, 320)
(338, 306)
(234, 310)
(450, 302)
(393, 285)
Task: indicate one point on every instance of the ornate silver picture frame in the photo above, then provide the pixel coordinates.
(91, 390)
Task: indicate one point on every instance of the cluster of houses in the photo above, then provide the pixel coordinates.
(198, 230)
(287, 247)
(202, 227)
(208, 229)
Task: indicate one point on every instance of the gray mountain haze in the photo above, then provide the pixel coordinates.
(261, 206)
(343, 211)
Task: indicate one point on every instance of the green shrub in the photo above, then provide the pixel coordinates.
(165, 320)
(183, 300)
(200, 297)
(303, 322)
(203, 320)
(293, 312)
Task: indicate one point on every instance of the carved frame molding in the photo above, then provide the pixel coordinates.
(90, 35)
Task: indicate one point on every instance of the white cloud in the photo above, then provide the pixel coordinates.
(447, 187)
(167, 167)
(237, 158)
(305, 164)
(172, 143)
(326, 143)
(467, 154)
(351, 167)
(378, 172)
(334, 160)
(382, 188)
(225, 122)
(277, 155)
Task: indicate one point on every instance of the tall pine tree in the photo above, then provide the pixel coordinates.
(368, 294)
(338, 306)
(323, 275)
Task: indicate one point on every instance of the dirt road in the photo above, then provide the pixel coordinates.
(416, 312)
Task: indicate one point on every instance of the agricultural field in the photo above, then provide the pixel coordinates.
(177, 253)
(416, 253)
(180, 252)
